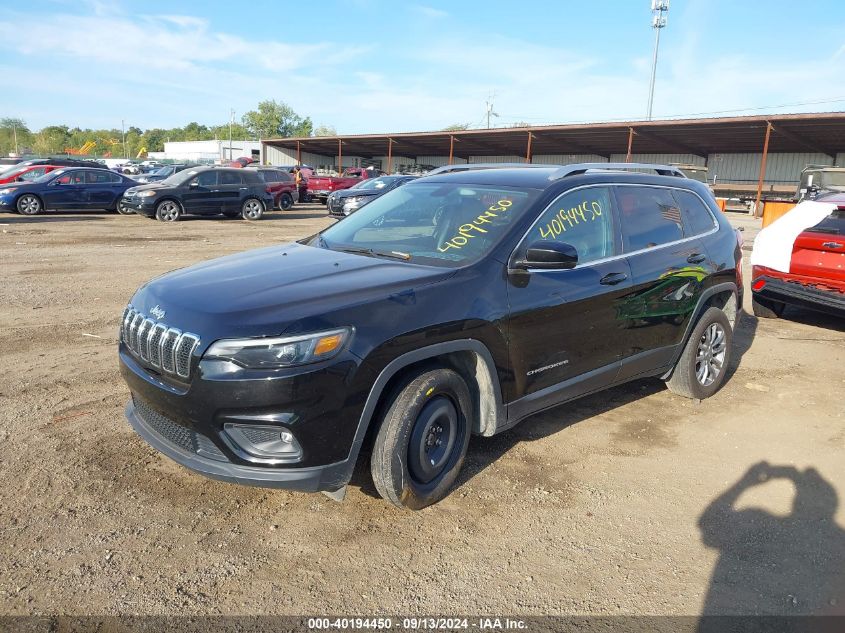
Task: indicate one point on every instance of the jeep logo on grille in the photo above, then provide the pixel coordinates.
(158, 313)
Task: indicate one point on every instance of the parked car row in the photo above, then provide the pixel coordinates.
(247, 193)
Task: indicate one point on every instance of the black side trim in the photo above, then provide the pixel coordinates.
(553, 395)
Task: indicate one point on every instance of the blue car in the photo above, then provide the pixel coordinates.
(78, 188)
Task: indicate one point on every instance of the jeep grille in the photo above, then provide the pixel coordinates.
(162, 347)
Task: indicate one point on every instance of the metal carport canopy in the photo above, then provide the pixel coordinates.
(818, 132)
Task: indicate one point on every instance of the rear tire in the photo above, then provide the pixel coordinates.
(423, 439)
(123, 210)
(285, 202)
(252, 209)
(701, 369)
(29, 204)
(767, 308)
(168, 211)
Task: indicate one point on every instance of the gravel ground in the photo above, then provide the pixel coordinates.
(633, 501)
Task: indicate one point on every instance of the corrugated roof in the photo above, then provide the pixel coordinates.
(818, 132)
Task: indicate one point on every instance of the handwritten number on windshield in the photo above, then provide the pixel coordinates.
(472, 229)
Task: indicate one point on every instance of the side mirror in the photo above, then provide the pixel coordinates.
(19, 179)
(549, 255)
(194, 185)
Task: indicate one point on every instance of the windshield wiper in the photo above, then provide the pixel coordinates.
(374, 253)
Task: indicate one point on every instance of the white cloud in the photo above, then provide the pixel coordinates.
(429, 12)
(190, 71)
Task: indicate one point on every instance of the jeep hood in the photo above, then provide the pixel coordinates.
(260, 292)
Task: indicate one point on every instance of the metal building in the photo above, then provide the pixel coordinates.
(760, 152)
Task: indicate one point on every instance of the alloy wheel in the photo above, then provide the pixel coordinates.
(710, 359)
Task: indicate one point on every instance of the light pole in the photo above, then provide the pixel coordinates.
(123, 136)
(659, 13)
(231, 122)
(15, 134)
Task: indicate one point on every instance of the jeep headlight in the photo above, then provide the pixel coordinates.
(145, 194)
(353, 202)
(285, 351)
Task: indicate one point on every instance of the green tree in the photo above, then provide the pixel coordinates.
(239, 132)
(275, 119)
(52, 139)
(12, 129)
(325, 130)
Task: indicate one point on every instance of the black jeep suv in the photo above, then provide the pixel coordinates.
(460, 303)
(201, 191)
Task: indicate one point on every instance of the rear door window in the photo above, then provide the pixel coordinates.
(101, 177)
(696, 216)
(650, 217)
(582, 218)
(206, 179)
(230, 178)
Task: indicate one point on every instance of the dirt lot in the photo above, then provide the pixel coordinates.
(610, 505)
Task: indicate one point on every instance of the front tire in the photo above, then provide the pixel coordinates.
(767, 308)
(701, 369)
(252, 209)
(168, 211)
(423, 439)
(29, 204)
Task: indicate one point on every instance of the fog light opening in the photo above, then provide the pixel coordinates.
(263, 443)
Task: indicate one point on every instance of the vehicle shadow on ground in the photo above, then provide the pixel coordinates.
(485, 451)
(743, 338)
(42, 219)
(771, 564)
(816, 319)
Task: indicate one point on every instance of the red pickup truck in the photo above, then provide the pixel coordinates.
(321, 186)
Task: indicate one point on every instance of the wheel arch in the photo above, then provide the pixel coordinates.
(169, 198)
(34, 195)
(724, 296)
(469, 357)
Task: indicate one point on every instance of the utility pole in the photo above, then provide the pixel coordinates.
(231, 123)
(15, 134)
(490, 112)
(659, 13)
(123, 136)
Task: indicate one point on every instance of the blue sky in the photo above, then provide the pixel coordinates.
(375, 66)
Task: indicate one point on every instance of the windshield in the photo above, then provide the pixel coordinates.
(833, 178)
(162, 171)
(180, 177)
(431, 223)
(374, 183)
(11, 171)
(50, 175)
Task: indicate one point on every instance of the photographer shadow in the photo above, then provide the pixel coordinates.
(773, 565)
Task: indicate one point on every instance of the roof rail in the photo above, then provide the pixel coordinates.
(446, 169)
(582, 168)
(562, 171)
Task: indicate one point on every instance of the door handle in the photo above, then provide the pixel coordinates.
(611, 279)
(696, 258)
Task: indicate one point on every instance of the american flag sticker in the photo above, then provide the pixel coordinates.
(671, 213)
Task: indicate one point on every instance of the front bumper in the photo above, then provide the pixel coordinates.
(798, 294)
(186, 421)
(329, 478)
(142, 206)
